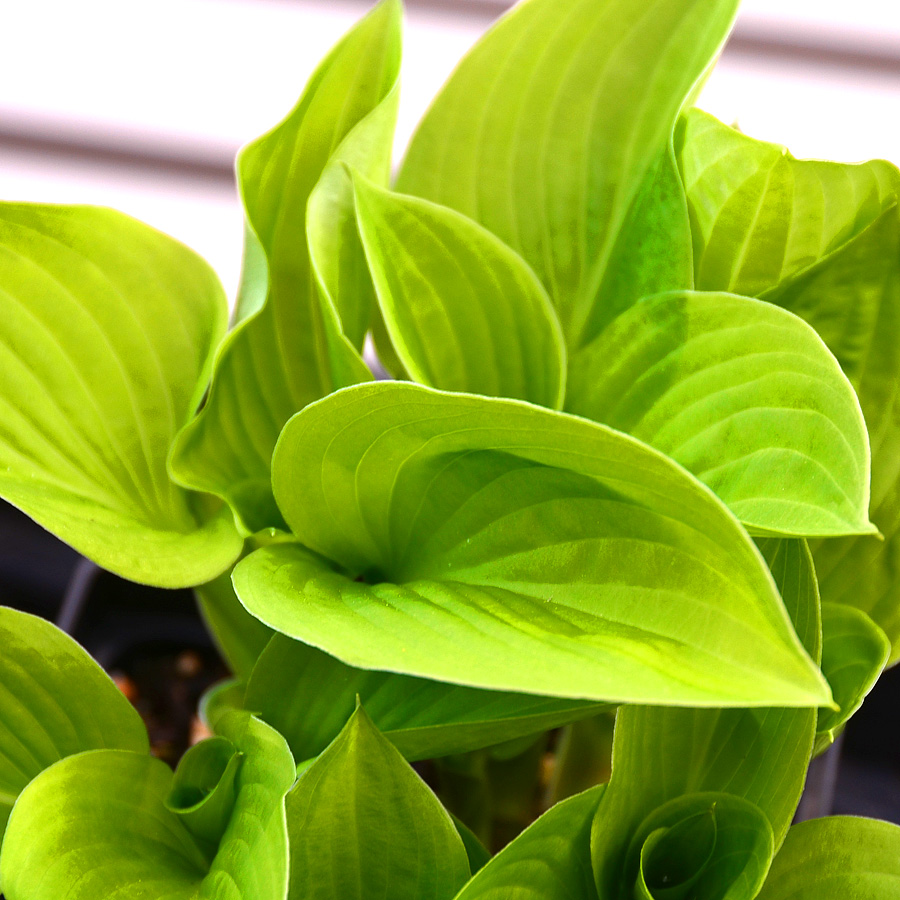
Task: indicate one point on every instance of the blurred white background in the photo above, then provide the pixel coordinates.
(142, 106)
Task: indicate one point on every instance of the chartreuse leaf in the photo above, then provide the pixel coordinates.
(464, 312)
(308, 696)
(54, 701)
(291, 350)
(744, 395)
(823, 241)
(98, 824)
(760, 216)
(662, 754)
(106, 341)
(550, 860)
(853, 299)
(837, 858)
(854, 653)
(445, 530)
(204, 789)
(362, 824)
(556, 128)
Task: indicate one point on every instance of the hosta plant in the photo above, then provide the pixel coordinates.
(639, 458)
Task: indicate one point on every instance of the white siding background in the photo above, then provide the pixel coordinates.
(142, 105)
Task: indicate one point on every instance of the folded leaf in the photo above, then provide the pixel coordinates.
(308, 697)
(291, 350)
(551, 860)
(838, 858)
(742, 394)
(761, 216)
(823, 241)
(854, 653)
(464, 312)
(55, 701)
(556, 127)
(852, 297)
(759, 755)
(97, 825)
(106, 341)
(362, 824)
(463, 519)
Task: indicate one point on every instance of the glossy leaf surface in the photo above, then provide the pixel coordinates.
(464, 312)
(745, 396)
(823, 241)
(465, 517)
(362, 824)
(55, 701)
(106, 340)
(97, 824)
(551, 860)
(552, 130)
(854, 653)
(308, 696)
(291, 350)
(761, 755)
(837, 857)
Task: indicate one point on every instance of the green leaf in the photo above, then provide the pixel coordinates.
(477, 853)
(551, 860)
(464, 312)
(759, 755)
(852, 298)
(106, 341)
(838, 858)
(55, 701)
(854, 653)
(224, 696)
(362, 824)
(338, 258)
(555, 128)
(456, 523)
(308, 697)
(298, 201)
(823, 241)
(744, 395)
(697, 847)
(203, 791)
(97, 825)
(239, 636)
(759, 215)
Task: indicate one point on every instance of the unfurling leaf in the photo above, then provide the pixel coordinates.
(99, 824)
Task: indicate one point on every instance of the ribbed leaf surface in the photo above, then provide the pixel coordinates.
(557, 125)
(290, 349)
(463, 518)
(106, 341)
(745, 396)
